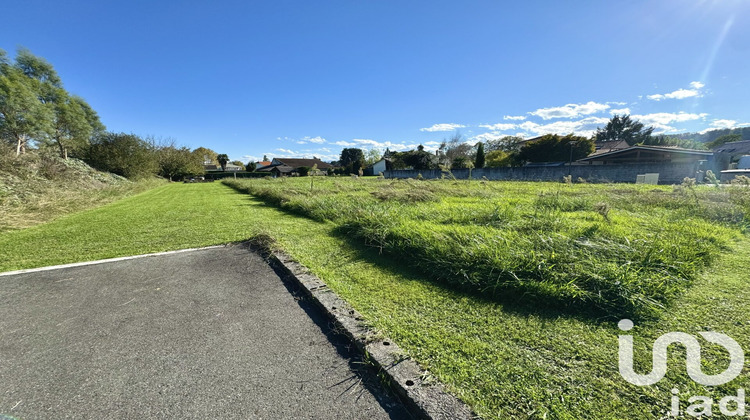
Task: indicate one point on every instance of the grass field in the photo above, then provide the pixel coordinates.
(602, 250)
(503, 357)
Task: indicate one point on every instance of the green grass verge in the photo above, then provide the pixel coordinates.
(505, 360)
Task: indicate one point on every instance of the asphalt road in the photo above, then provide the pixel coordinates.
(211, 333)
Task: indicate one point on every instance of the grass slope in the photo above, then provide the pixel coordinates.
(506, 360)
(36, 188)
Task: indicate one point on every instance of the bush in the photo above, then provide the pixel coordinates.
(123, 154)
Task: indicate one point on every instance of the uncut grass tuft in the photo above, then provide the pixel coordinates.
(600, 250)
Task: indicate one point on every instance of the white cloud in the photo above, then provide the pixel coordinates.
(498, 127)
(617, 103)
(585, 127)
(345, 144)
(680, 93)
(367, 142)
(287, 151)
(442, 127)
(668, 117)
(514, 117)
(316, 139)
(570, 110)
(723, 123)
(484, 137)
(621, 111)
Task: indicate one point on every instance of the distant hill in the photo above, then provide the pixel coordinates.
(712, 135)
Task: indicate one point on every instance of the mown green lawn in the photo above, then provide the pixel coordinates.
(504, 358)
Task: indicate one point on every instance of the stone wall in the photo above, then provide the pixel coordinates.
(669, 173)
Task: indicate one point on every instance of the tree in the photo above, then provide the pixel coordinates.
(35, 107)
(727, 138)
(417, 159)
(454, 148)
(352, 159)
(123, 154)
(480, 159)
(223, 159)
(250, 167)
(238, 163)
(206, 156)
(22, 116)
(372, 156)
(501, 158)
(623, 128)
(71, 127)
(506, 144)
(178, 162)
(265, 158)
(554, 148)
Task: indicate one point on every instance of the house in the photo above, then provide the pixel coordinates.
(379, 167)
(733, 159)
(609, 146)
(217, 168)
(729, 154)
(289, 166)
(646, 154)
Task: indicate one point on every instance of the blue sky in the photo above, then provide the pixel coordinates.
(304, 78)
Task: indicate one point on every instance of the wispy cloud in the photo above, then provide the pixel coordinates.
(668, 117)
(661, 120)
(621, 111)
(514, 117)
(570, 110)
(498, 127)
(316, 140)
(442, 127)
(694, 91)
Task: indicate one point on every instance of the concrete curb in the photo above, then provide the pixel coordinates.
(429, 400)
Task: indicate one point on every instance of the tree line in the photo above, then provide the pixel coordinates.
(509, 151)
(37, 114)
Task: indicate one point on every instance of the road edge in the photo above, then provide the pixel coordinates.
(427, 398)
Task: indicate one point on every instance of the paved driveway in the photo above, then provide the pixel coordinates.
(211, 333)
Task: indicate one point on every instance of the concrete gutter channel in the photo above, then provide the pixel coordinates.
(427, 400)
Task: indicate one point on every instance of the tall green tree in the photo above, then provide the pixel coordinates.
(178, 162)
(71, 129)
(480, 159)
(624, 128)
(506, 144)
(352, 159)
(58, 119)
(22, 116)
(223, 159)
(206, 155)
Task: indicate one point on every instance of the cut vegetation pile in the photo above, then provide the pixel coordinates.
(604, 250)
(36, 188)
